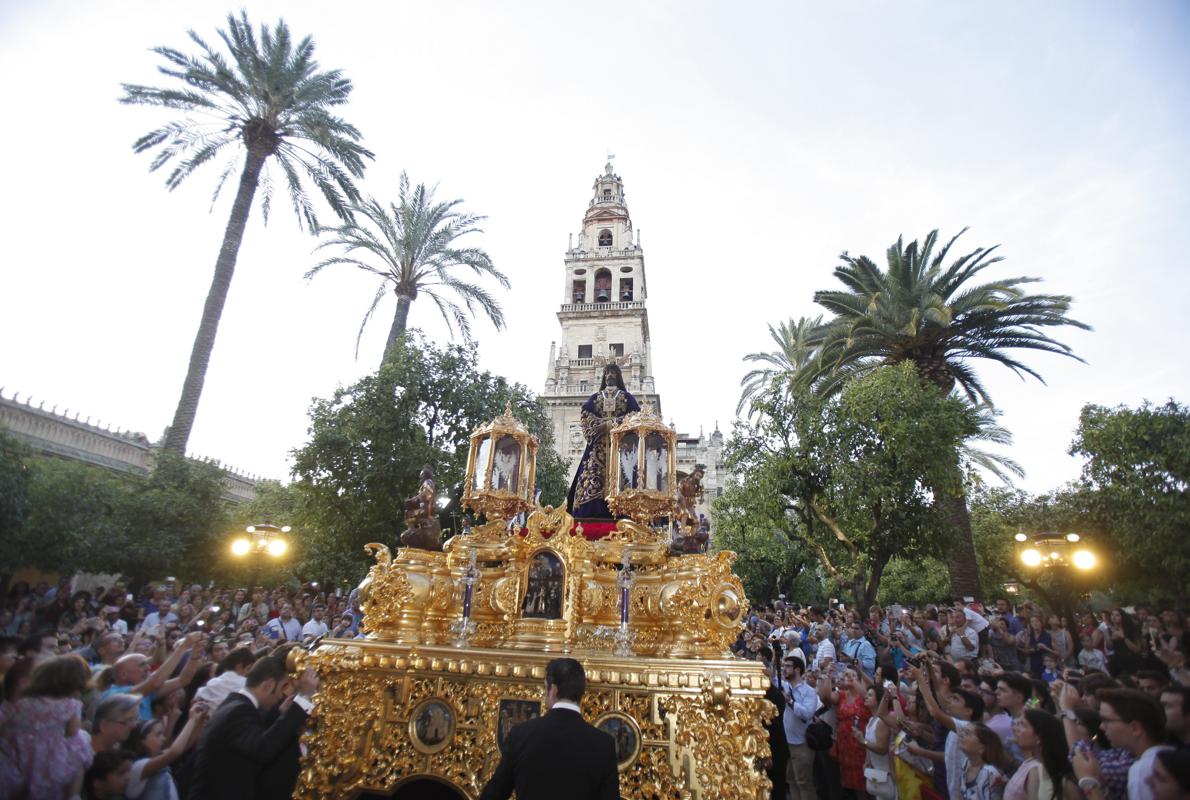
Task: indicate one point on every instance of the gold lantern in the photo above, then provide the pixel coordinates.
(642, 481)
(501, 468)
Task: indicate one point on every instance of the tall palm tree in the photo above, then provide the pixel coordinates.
(933, 314)
(265, 98)
(411, 247)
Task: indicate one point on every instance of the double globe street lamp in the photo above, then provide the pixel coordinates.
(1055, 550)
(262, 539)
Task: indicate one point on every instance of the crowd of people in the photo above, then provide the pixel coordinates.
(177, 691)
(111, 694)
(963, 702)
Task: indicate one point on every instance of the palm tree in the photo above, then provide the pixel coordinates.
(934, 315)
(796, 347)
(411, 247)
(268, 100)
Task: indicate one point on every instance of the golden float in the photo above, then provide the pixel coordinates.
(457, 643)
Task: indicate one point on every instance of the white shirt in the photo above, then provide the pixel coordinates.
(216, 690)
(826, 649)
(955, 760)
(975, 621)
(314, 628)
(566, 704)
(291, 629)
(1138, 787)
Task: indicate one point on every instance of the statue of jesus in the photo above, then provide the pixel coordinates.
(603, 411)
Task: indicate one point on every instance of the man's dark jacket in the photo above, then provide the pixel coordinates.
(558, 755)
(236, 748)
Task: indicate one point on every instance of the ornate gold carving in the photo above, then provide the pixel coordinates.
(364, 732)
(698, 713)
(501, 468)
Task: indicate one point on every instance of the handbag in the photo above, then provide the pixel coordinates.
(819, 734)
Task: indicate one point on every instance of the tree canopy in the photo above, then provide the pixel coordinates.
(852, 477)
(368, 441)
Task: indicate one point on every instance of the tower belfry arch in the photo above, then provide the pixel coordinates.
(603, 314)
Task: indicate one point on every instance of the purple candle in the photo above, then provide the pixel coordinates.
(467, 601)
(624, 604)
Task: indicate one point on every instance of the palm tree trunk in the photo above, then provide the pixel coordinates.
(204, 342)
(962, 564)
(398, 329)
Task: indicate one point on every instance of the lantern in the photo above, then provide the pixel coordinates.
(642, 480)
(501, 468)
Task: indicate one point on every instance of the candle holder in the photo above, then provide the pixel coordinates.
(622, 644)
(462, 629)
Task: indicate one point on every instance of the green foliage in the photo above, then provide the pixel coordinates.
(1136, 484)
(84, 517)
(14, 487)
(851, 477)
(923, 311)
(768, 562)
(412, 248)
(914, 582)
(368, 442)
(267, 95)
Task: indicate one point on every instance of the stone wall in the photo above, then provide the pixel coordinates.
(49, 432)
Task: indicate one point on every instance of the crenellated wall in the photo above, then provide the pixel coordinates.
(59, 434)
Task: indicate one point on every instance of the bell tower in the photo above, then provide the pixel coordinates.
(603, 315)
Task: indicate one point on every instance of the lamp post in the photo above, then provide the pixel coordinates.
(1063, 556)
(262, 539)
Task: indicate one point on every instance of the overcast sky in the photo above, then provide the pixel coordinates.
(756, 142)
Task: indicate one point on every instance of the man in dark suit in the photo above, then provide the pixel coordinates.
(238, 746)
(559, 754)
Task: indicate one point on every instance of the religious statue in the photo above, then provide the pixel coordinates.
(603, 410)
(696, 535)
(689, 493)
(421, 519)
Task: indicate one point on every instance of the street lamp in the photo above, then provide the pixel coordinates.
(262, 539)
(1050, 550)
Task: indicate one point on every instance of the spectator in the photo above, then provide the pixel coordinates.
(983, 774)
(132, 674)
(345, 628)
(1170, 779)
(875, 739)
(256, 608)
(852, 714)
(284, 627)
(1135, 722)
(1152, 682)
(858, 651)
(1175, 700)
(114, 719)
(43, 750)
(1035, 643)
(1045, 773)
(155, 621)
(1004, 612)
(107, 776)
(230, 676)
(315, 627)
(801, 701)
(149, 777)
(1005, 645)
(1091, 657)
(108, 648)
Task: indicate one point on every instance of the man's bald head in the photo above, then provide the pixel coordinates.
(131, 669)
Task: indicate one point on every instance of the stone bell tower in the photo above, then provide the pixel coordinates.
(603, 316)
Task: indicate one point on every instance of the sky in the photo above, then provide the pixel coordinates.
(756, 141)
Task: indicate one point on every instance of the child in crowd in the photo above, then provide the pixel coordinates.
(1091, 657)
(150, 778)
